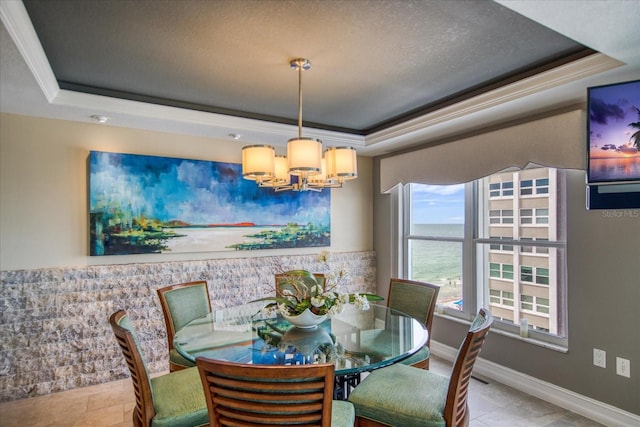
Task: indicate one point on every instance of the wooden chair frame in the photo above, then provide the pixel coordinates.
(260, 395)
(168, 320)
(144, 412)
(456, 409)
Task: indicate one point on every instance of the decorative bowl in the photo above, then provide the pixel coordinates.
(305, 320)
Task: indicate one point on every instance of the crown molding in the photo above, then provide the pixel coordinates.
(16, 20)
(122, 111)
(576, 70)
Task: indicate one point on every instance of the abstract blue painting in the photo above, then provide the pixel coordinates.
(148, 204)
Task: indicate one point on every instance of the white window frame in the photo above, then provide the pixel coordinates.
(475, 287)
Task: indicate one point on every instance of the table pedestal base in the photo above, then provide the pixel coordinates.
(344, 384)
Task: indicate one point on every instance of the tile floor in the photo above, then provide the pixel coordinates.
(111, 404)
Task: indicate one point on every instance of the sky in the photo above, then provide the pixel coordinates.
(438, 204)
(611, 109)
(197, 192)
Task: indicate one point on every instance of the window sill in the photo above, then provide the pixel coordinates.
(544, 344)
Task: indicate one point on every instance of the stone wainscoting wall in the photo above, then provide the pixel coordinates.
(54, 329)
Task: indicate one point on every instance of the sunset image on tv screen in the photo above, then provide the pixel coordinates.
(614, 132)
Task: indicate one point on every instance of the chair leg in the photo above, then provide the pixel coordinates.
(423, 364)
(365, 422)
(175, 367)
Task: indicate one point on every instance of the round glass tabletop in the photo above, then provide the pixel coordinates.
(355, 340)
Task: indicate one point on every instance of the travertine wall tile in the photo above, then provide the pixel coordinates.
(54, 329)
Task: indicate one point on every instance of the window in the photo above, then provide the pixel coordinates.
(507, 250)
(501, 271)
(501, 189)
(542, 216)
(534, 249)
(526, 187)
(528, 274)
(537, 305)
(501, 247)
(527, 216)
(501, 216)
(436, 237)
(501, 297)
(542, 186)
(529, 187)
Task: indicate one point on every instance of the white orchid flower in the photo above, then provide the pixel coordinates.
(283, 309)
(361, 302)
(343, 298)
(317, 301)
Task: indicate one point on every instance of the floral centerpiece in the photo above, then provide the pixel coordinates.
(304, 302)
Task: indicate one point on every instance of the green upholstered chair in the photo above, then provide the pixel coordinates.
(271, 395)
(181, 304)
(400, 395)
(418, 300)
(172, 400)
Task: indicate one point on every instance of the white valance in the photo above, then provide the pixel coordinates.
(558, 141)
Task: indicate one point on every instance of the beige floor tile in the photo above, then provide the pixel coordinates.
(104, 417)
(111, 405)
(13, 414)
(109, 398)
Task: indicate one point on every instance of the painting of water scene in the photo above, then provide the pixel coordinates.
(147, 204)
(614, 132)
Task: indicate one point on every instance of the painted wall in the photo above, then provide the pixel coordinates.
(43, 199)
(55, 300)
(603, 296)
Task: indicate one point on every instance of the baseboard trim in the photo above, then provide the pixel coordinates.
(567, 399)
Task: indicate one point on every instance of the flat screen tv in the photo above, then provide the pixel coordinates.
(614, 133)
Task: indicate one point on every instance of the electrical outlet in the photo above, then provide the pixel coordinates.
(600, 358)
(623, 367)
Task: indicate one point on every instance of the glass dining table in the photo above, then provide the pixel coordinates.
(356, 341)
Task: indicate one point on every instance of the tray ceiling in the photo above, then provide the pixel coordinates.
(374, 63)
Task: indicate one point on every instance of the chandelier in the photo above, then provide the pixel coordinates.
(304, 158)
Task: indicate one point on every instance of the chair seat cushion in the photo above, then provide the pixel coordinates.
(401, 395)
(417, 357)
(178, 399)
(342, 414)
(178, 359)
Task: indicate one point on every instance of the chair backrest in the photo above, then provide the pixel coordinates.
(128, 341)
(456, 410)
(182, 303)
(260, 395)
(417, 299)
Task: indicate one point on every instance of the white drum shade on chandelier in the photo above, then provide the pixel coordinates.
(304, 158)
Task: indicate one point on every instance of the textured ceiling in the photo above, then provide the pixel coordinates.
(374, 63)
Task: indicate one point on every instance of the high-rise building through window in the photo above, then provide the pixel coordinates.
(528, 273)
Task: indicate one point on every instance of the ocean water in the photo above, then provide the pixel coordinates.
(439, 262)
